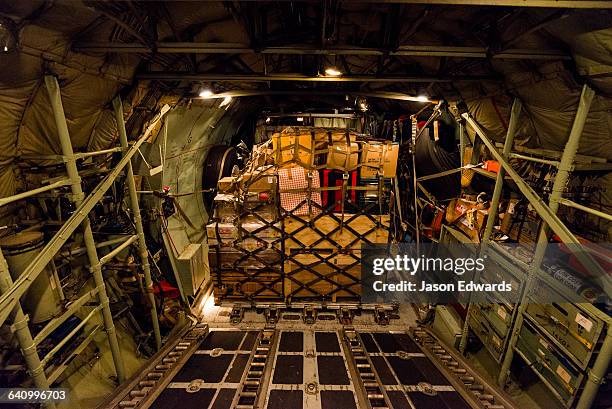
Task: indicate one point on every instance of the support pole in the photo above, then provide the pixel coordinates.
(597, 373)
(78, 197)
(142, 245)
(499, 183)
(565, 168)
(23, 335)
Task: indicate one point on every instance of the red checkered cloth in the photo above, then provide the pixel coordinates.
(295, 178)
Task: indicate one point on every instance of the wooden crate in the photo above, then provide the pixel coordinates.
(344, 270)
(237, 285)
(326, 232)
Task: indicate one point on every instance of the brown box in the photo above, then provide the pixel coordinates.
(293, 147)
(341, 157)
(342, 276)
(231, 257)
(262, 180)
(225, 207)
(226, 184)
(326, 234)
(379, 157)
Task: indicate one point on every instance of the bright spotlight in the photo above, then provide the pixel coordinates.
(206, 93)
(422, 98)
(332, 72)
(268, 120)
(300, 119)
(226, 101)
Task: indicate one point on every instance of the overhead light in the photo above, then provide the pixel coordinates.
(8, 35)
(362, 104)
(268, 120)
(300, 119)
(332, 72)
(422, 98)
(206, 93)
(226, 101)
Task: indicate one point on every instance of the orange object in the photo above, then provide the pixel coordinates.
(492, 166)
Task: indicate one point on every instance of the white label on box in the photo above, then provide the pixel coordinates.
(584, 322)
(563, 374)
(501, 311)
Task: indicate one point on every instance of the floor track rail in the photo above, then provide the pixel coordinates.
(145, 387)
(375, 394)
(469, 380)
(251, 385)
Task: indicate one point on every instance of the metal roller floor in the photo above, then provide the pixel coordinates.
(302, 366)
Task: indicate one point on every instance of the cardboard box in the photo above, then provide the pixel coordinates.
(225, 207)
(390, 155)
(262, 180)
(230, 232)
(226, 184)
(341, 157)
(293, 147)
(379, 158)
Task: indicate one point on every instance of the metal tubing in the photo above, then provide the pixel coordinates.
(439, 174)
(108, 257)
(56, 322)
(533, 159)
(597, 373)
(23, 334)
(403, 50)
(78, 198)
(71, 334)
(29, 193)
(80, 250)
(575, 205)
(96, 153)
(144, 252)
(544, 210)
(565, 167)
(259, 77)
(21, 285)
(499, 183)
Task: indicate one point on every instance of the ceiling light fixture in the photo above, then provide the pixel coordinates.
(300, 119)
(206, 93)
(332, 72)
(8, 35)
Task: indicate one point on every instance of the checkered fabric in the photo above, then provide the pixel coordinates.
(296, 178)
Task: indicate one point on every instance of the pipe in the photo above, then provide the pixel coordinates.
(21, 285)
(78, 198)
(144, 253)
(80, 250)
(95, 153)
(126, 242)
(10, 199)
(544, 210)
(565, 167)
(258, 77)
(56, 322)
(163, 47)
(597, 373)
(533, 159)
(575, 205)
(499, 183)
(24, 336)
(72, 333)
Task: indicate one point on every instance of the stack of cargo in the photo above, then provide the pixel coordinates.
(290, 226)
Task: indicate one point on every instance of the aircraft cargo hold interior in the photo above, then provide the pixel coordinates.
(306, 204)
